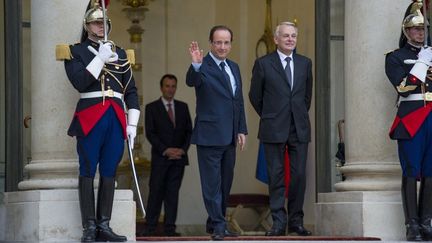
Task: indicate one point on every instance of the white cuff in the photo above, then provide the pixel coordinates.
(95, 66)
(419, 71)
(133, 117)
(196, 66)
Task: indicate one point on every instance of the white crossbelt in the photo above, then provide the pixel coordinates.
(413, 97)
(97, 94)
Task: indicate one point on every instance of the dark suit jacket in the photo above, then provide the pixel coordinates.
(162, 134)
(274, 101)
(220, 115)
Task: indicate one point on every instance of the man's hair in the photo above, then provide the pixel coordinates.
(169, 76)
(219, 27)
(276, 33)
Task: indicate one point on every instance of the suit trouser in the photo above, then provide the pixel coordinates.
(274, 153)
(165, 182)
(216, 166)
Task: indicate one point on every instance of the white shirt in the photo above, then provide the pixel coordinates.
(227, 69)
(284, 63)
(166, 102)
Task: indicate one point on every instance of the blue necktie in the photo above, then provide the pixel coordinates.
(288, 71)
(226, 76)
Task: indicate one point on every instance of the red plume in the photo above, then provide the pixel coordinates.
(106, 3)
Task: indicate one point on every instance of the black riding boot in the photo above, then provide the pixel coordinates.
(104, 208)
(87, 206)
(425, 208)
(409, 201)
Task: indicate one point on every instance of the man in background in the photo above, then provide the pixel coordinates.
(168, 128)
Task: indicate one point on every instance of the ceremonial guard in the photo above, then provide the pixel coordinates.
(408, 69)
(101, 73)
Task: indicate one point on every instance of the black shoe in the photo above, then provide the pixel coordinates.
(413, 231)
(228, 233)
(107, 234)
(89, 234)
(299, 230)
(217, 236)
(172, 234)
(275, 232)
(426, 230)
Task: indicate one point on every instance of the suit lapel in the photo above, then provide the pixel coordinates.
(297, 70)
(176, 112)
(213, 67)
(277, 65)
(236, 75)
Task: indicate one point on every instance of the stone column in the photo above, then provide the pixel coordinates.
(368, 202)
(54, 161)
(35, 213)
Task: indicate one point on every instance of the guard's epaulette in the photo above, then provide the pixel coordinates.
(63, 52)
(130, 53)
(390, 52)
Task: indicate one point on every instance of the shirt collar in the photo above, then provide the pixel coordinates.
(282, 56)
(217, 61)
(166, 102)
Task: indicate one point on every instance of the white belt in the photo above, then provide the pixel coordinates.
(97, 94)
(413, 97)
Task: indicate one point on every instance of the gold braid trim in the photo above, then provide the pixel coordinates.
(130, 53)
(120, 72)
(119, 65)
(130, 78)
(402, 88)
(63, 52)
(112, 75)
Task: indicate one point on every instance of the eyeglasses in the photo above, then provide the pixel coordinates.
(220, 43)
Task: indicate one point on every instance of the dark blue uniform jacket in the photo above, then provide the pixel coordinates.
(115, 76)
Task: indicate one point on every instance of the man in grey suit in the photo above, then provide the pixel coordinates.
(220, 123)
(281, 93)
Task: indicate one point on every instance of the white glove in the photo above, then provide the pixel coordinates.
(425, 56)
(105, 52)
(133, 117)
(104, 55)
(422, 64)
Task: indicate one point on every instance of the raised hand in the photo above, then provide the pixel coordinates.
(195, 52)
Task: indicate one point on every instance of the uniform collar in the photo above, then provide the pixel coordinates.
(412, 47)
(92, 43)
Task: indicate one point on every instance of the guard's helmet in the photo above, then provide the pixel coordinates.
(94, 14)
(413, 18)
